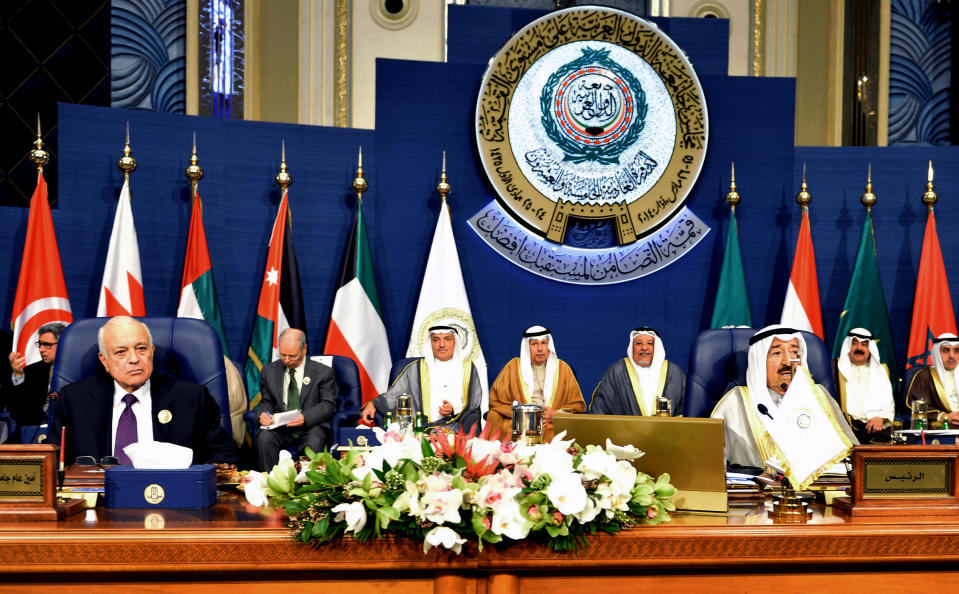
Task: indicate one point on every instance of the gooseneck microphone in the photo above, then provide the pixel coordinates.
(763, 410)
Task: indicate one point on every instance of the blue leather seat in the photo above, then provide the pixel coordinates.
(186, 348)
(717, 362)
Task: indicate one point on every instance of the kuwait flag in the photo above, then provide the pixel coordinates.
(197, 291)
(121, 293)
(356, 326)
(801, 308)
(732, 301)
(932, 309)
(281, 301)
(41, 293)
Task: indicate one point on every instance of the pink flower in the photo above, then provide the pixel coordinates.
(651, 513)
(487, 522)
(533, 513)
(558, 518)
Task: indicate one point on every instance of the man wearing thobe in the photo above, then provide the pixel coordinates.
(537, 376)
(937, 385)
(445, 387)
(865, 393)
(632, 385)
(795, 426)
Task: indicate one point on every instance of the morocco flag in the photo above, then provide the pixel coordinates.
(121, 293)
(932, 309)
(41, 293)
(197, 291)
(356, 325)
(801, 308)
(281, 301)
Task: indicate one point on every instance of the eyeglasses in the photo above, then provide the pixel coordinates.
(91, 461)
(45, 345)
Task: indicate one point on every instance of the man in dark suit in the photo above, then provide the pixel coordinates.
(291, 383)
(30, 384)
(103, 415)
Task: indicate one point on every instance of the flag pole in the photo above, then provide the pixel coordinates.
(126, 163)
(359, 182)
(444, 188)
(804, 197)
(732, 198)
(929, 197)
(283, 179)
(868, 199)
(194, 172)
(39, 155)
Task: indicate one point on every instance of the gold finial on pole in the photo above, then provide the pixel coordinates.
(359, 184)
(194, 172)
(126, 163)
(39, 155)
(929, 198)
(283, 179)
(733, 196)
(443, 188)
(804, 197)
(868, 199)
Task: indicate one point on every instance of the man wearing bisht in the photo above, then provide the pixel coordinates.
(632, 385)
(865, 393)
(937, 385)
(537, 376)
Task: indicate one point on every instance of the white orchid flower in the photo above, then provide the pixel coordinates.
(441, 536)
(626, 452)
(567, 493)
(255, 489)
(353, 513)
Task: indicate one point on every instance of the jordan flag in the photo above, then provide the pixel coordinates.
(197, 291)
(932, 309)
(121, 293)
(41, 293)
(281, 301)
(356, 325)
(801, 308)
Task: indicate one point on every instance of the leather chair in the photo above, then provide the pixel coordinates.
(717, 362)
(186, 348)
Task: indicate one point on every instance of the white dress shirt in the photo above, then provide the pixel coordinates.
(142, 410)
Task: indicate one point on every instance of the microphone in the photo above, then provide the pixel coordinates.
(763, 410)
(784, 385)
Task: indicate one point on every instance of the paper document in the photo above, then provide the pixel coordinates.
(282, 419)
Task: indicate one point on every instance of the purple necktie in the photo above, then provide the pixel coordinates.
(126, 430)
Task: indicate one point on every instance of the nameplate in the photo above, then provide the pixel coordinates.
(27, 482)
(907, 478)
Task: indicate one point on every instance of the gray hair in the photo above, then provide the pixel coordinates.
(296, 333)
(119, 320)
(55, 328)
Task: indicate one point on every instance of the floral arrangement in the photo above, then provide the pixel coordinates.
(446, 489)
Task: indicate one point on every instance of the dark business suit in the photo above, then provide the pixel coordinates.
(26, 400)
(317, 403)
(86, 409)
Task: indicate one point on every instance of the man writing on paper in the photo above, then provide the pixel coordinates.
(294, 383)
(537, 376)
(794, 424)
(632, 385)
(865, 393)
(936, 385)
(445, 387)
(103, 415)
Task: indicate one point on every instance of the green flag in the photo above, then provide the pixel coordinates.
(865, 305)
(732, 302)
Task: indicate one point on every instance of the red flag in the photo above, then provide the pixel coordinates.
(41, 292)
(801, 309)
(932, 309)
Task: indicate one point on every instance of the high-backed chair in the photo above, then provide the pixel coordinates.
(717, 362)
(186, 348)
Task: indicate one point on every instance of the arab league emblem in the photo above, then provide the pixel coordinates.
(164, 416)
(591, 125)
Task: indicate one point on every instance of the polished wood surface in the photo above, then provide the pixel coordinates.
(233, 542)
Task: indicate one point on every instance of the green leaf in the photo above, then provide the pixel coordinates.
(426, 447)
(275, 486)
(385, 515)
(309, 452)
(368, 482)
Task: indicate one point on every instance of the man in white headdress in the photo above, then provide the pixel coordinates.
(632, 385)
(937, 385)
(865, 393)
(794, 426)
(445, 387)
(537, 376)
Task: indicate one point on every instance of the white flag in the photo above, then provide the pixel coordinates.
(443, 301)
(121, 293)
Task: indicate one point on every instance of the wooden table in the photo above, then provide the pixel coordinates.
(241, 547)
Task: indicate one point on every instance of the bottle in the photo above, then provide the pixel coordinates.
(388, 420)
(419, 425)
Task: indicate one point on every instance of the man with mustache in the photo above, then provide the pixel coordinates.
(632, 385)
(936, 385)
(804, 429)
(865, 393)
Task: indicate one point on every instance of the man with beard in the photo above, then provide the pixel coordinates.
(632, 385)
(936, 385)
(865, 393)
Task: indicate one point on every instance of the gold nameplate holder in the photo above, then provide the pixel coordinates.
(28, 484)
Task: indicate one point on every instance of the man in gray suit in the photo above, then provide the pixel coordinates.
(294, 383)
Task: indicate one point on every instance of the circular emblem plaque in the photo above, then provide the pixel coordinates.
(153, 494)
(592, 126)
(456, 318)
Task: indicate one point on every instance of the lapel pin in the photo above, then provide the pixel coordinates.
(306, 381)
(165, 416)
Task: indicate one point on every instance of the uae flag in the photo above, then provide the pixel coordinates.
(443, 301)
(41, 293)
(732, 301)
(281, 301)
(865, 305)
(932, 309)
(356, 325)
(801, 309)
(197, 290)
(121, 293)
